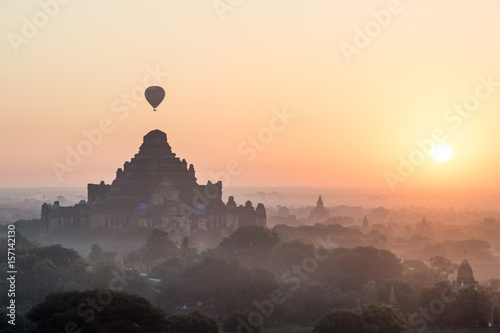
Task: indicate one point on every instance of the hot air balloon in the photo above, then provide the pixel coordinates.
(154, 95)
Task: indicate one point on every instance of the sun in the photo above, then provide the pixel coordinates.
(441, 152)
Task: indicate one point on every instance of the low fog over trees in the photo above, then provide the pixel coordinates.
(348, 273)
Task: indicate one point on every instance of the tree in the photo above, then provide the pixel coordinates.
(351, 269)
(340, 321)
(237, 320)
(167, 268)
(406, 295)
(104, 266)
(98, 255)
(59, 255)
(429, 248)
(370, 292)
(133, 259)
(139, 285)
(309, 301)
(76, 276)
(382, 318)
(250, 245)
(97, 311)
(195, 321)
(288, 254)
(430, 296)
(44, 271)
(47, 269)
(29, 228)
(36, 278)
(472, 308)
(185, 251)
(442, 267)
(171, 286)
(450, 307)
(158, 246)
(417, 272)
(220, 286)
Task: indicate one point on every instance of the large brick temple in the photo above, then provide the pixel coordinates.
(155, 189)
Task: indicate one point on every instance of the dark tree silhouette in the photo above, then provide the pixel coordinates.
(236, 321)
(195, 321)
(99, 311)
(442, 267)
(158, 246)
(250, 245)
(218, 285)
(451, 307)
(351, 269)
(384, 319)
(340, 321)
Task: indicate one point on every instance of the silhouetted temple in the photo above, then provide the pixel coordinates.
(155, 189)
(365, 226)
(465, 275)
(392, 299)
(424, 228)
(465, 278)
(319, 213)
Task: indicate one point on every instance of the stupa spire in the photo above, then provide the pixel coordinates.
(392, 298)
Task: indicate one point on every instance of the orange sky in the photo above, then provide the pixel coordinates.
(356, 104)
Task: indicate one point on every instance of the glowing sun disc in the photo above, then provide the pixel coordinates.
(441, 152)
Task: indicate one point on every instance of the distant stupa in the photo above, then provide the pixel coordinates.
(365, 226)
(465, 276)
(392, 299)
(424, 228)
(319, 213)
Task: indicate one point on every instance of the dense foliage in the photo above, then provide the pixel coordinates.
(374, 318)
(97, 311)
(251, 280)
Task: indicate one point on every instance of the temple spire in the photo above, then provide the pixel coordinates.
(319, 213)
(365, 225)
(392, 298)
(319, 204)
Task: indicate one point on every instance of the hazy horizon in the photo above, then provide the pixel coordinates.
(387, 110)
(294, 93)
(271, 196)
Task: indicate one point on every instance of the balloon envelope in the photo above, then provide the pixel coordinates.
(154, 95)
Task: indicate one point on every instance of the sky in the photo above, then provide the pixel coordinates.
(261, 93)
